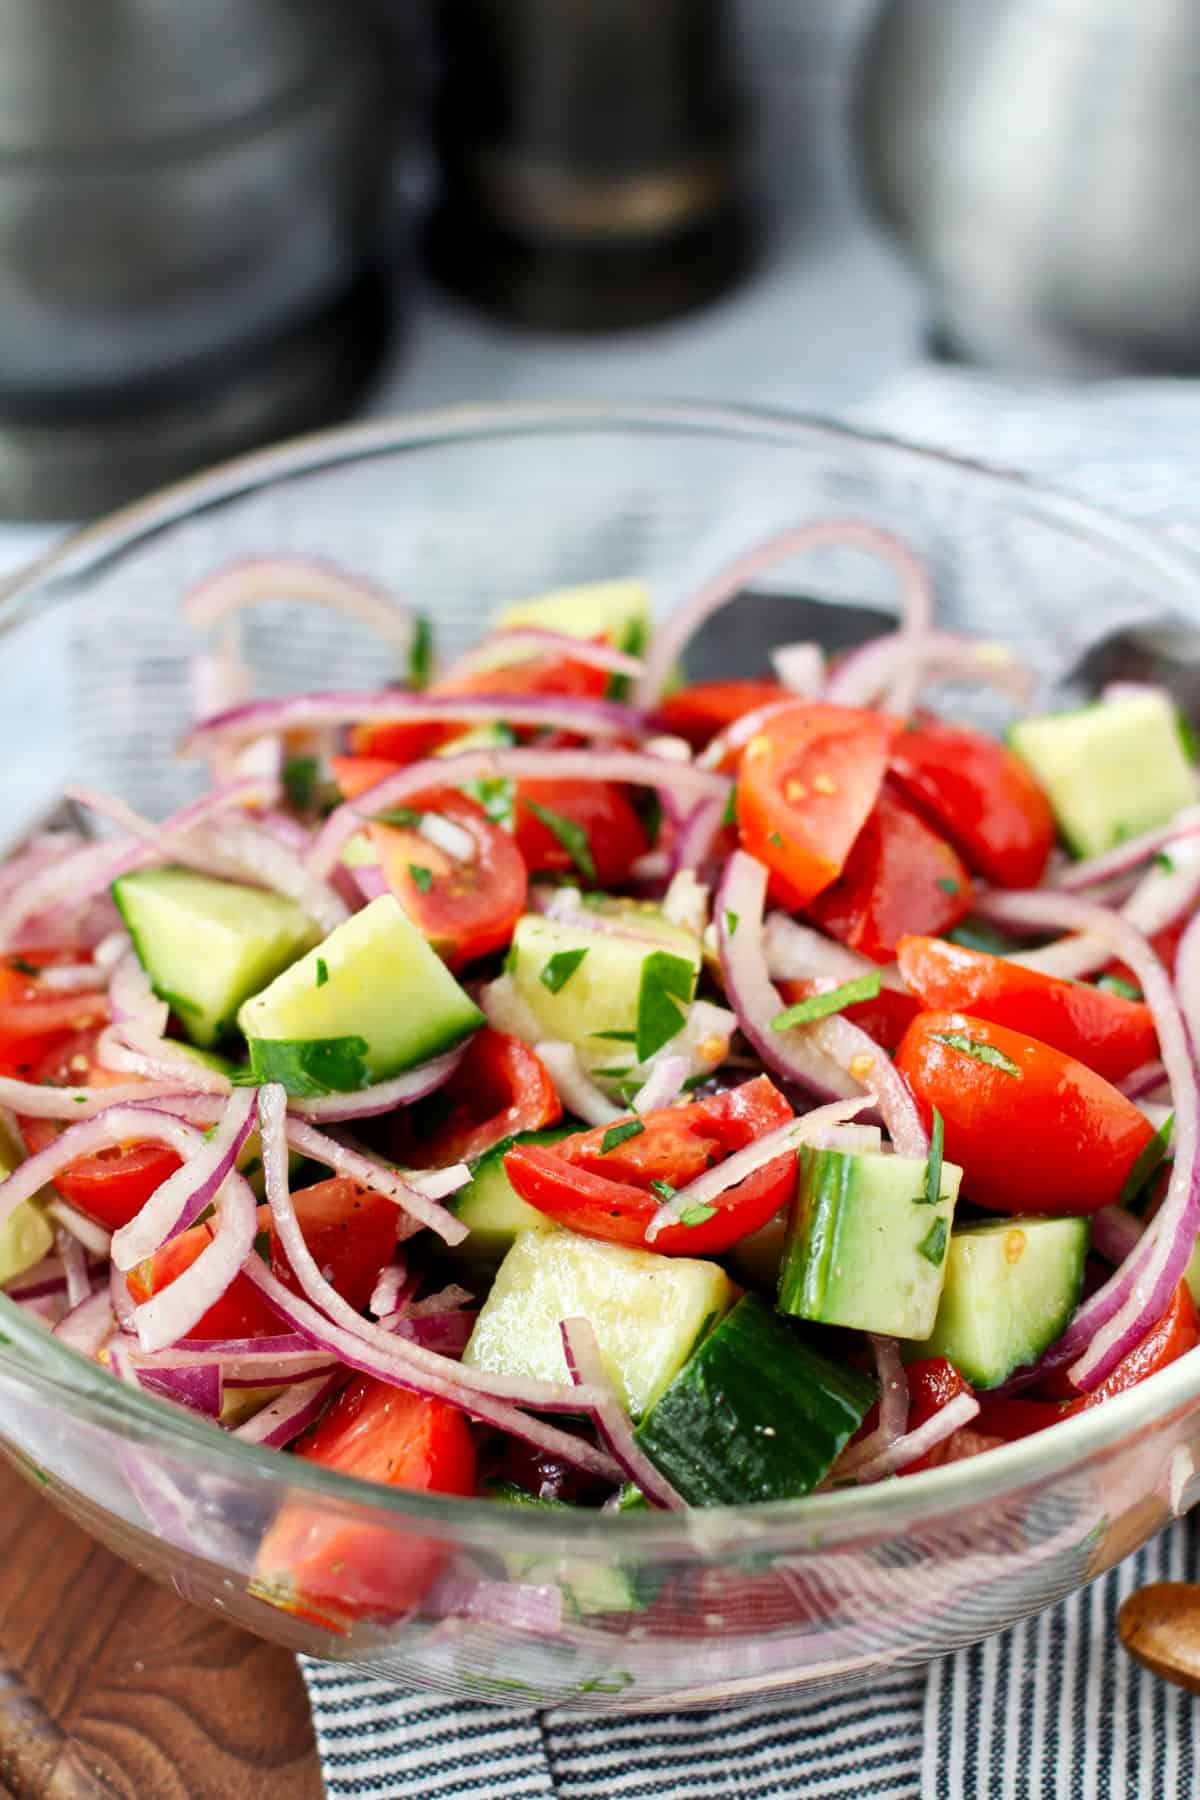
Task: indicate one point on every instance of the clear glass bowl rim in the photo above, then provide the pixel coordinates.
(56, 1369)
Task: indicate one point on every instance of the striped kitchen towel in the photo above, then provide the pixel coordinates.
(1051, 1710)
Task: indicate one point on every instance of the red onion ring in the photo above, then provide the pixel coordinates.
(173, 1312)
(79, 1282)
(1129, 855)
(88, 1326)
(117, 1124)
(587, 1370)
(284, 1418)
(85, 1231)
(251, 580)
(183, 1196)
(352, 1163)
(578, 1093)
(801, 668)
(913, 1445)
(663, 1084)
(382, 1096)
(865, 676)
(540, 642)
(84, 1104)
(894, 1404)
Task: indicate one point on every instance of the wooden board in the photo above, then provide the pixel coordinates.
(112, 1686)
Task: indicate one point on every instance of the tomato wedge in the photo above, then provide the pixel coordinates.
(315, 1561)
(31, 1013)
(806, 785)
(465, 905)
(608, 1194)
(498, 1089)
(899, 877)
(1034, 1131)
(241, 1312)
(980, 796)
(1177, 1332)
(350, 1230)
(932, 1383)
(1111, 1035)
(114, 1184)
(885, 1018)
(405, 742)
(614, 835)
(699, 712)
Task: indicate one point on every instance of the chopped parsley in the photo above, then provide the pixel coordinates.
(1116, 984)
(1164, 862)
(497, 795)
(510, 957)
(663, 1189)
(820, 1006)
(696, 1215)
(558, 969)
(1187, 737)
(984, 1053)
(422, 877)
(420, 653)
(773, 837)
(615, 1073)
(20, 967)
(398, 815)
(947, 884)
(616, 1037)
(933, 1168)
(1148, 1161)
(933, 1245)
(664, 994)
(619, 1134)
(300, 781)
(322, 971)
(729, 816)
(731, 921)
(571, 835)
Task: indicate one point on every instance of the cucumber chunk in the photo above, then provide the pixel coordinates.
(756, 1260)
(618, 611)
(208, 945)
(25, 1237)
(864, 1248)
(755, 1414)
(370, 1001)
(646, 1310)
(1110, 770)
(1011, 1287)
(588, 1585)
(490, 1206)
(618, 1001)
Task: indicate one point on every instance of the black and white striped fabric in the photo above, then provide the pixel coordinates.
(1051, 1710)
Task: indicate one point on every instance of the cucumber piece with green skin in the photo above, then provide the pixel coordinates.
(618, 611)
(755, 1414)
(756, 1259)
(1011, 1287)
(208, 945)
(369, 1002)
(1111, 770)
(490, 1206)
(588, 1587)
(25, 1236)
(865, 1248)
(622, 986)
(647, 1311)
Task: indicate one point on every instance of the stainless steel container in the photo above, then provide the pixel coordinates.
(1040, 160)
(183, 189)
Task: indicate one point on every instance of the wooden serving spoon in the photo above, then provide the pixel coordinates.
(1159, 1625)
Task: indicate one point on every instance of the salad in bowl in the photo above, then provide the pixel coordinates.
(553, 1081)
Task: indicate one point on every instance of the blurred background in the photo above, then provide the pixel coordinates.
(220, 225)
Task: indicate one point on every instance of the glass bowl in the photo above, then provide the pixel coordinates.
(458, 511)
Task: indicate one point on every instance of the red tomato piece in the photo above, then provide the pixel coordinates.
(337, 1568)
(1008, 1420)
(932, 1383)
(806, 785)
(699, 712)
(1111, 1035)
(31, 1013)
(609, 1194)
(898, 878)
(466, 907)
(1034, 1131)
(241, 1312)
(1165, 945)
(885, 1018)
(114, 1184)
(603, 812)
(351, 1232)
(404, 742)
(980, 796)
(1177, 1332)
(355, 774)
(498, 1089)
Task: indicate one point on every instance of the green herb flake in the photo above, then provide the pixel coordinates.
(572, 837)
(616, 1037)
(420, 652)
(19, 966)
(620, 1134)
(322, 971)
(664, 994)
(820, 1006)
(933, 1168)
(398, 815)
(559, 968)
(984, 1053)
(729, 816)
(774, 838)
(1116, 984)
(614, 1073)
(422, 877)
(300, 775)
(1148, 1161)
(1187, 737)
(1164, 862)
(947, 884)
(696, 1215)
(663, 1189)
(695, 1081)
(731, 921)
(252, 1167)
(496, 794)
(933, 1245)
(510, 957)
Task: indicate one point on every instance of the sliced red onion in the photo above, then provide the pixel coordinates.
(1075, 878)
(382, 1096)
(183, 1196)
(74, 978)
(369, 881)
(866, 675)
(217, 680)
(283, 1419)
(121, 1300)
(79, 1282)
(1116, 1318)
(540, 642)
(784, 1140)
(175, 1311)
(694, 841)
(1145, 1080)
(131, 998)
(198, 1388)
(588, 718)
(689, 783)
(389, 1289)
(685, 903)
(894, 1403)
(663, 1084)
(243, 1362)
(70, 880)
(448, 837)
(245, 851)
(436, 1184)
(44, 1278)
(448, 1333)
(796, 952)
(1115, 1233)
(915, 1444)
(504, 1605)
(118, 1124)
(565, 905)
(451, 1298)
(801, 668)
(88, 1326)
(729, 582)
(76, 1104)
(578, 1093)
(352, 1163)
(251, 580)
(86, 1231)
(134, 1050)
(587, 1371)
(1160, 898)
